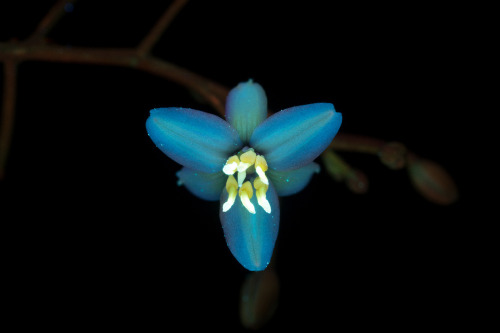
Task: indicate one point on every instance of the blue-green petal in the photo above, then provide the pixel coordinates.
(295, 136)
(206, 186)
(292, 181)
(246, 108)
(251, 237)
(195, 139)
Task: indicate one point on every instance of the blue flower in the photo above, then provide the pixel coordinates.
(246, 162)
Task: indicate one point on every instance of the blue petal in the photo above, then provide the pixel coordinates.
(246, 108)
(294, 137)
(195, 139)
(292, 181)
(206, 186)
(251, 237)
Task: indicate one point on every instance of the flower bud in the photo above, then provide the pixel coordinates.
(393, 155)
(334, 165)
(432, 181)
(357, 181)
(259, 298)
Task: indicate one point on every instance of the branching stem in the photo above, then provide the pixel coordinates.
(139, 58)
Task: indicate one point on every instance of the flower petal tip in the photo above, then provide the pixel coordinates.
(246, 108)
(251, 236)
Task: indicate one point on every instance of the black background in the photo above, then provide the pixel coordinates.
(103, 234)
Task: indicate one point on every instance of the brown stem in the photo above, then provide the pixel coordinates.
(49, 20)
(8, 111)
(163, 22)
(357, 143)
(392, 154)
(214, 93)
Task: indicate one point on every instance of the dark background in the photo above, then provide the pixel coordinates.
(100, 231)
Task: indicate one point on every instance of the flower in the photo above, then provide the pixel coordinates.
(246, 162)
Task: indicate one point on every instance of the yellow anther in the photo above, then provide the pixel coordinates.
(231, 183)
(246, 193)
(232, 188)
(243, 162)
(260, 161)
(261, 168)
(248, 157)
(260, 185)
(231, 165)
(260, 192)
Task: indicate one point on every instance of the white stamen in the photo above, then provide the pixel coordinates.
(260, 192)
(246, 202)
(243, 166)
(229, 203)
(232, 189)
(264, 203)
(230, 169)
(262, 175)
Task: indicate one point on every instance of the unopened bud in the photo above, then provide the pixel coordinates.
(432, 181)
(393, 155)
(357, 181)
(335, 166)
(259, 298)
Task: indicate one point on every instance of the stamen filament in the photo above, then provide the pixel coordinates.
(230, 201)
(262, 175)
(231, 165)
(231, 187)
(241, 177)
(260, 192)
(241, 165)
(262, 200)
(246, 193)
(261, 168)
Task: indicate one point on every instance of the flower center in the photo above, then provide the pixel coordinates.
(244, 163)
